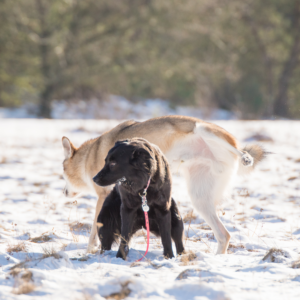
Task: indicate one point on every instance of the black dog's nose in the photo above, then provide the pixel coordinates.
(95, 178)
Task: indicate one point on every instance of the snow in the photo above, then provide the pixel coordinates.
(261, 213)
(115, 107)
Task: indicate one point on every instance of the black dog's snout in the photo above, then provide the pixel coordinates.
(97, 178)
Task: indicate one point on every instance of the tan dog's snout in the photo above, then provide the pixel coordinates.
(68, 193)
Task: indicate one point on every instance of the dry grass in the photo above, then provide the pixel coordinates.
(296, 264)
(244, 193)
(94, 250)
(24, 274)
(271, 254)
(204, 227)
(24, 288)
(231, 246)
(20, 247)
(41, 239)
(63, 246)
(27, 275)
(189, 217)
(140, 233)
(78, 227)
(50, 252)
(185, 274)
(15, 271)
(86, 296)
(20, 265)
(23, 281)
(125, 291)
(188, 257)
(3, 160)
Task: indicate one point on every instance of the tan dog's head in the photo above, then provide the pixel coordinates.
(72, 169)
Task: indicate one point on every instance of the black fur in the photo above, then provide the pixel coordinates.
(122, 214)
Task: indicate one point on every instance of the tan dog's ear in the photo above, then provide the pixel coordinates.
(69, 148)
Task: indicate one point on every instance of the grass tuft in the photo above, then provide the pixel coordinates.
(3, 160)
(186, 273)
(125, 291)
(20, 247)
(24, 288)
(272, 253)
(15, 272)
(50, 252)
(78, 226)
(231, 246)
(296, 264)
(41, 239)
(189, 217)
(188, 257)
(23, 280)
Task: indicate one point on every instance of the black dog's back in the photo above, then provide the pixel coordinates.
(110, 219)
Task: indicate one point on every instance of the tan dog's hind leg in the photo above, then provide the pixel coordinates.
(93, 240)
(204, 189)
(219, 230)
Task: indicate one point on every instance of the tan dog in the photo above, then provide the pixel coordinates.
(207, 156)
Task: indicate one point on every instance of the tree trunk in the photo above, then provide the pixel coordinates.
(44, 49)
(281, 105)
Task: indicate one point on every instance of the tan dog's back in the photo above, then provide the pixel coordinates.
(207, 151)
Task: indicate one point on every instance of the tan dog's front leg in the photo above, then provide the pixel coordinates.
(93, 240)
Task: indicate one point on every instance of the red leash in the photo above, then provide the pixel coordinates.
(145, 208)
(148, 235)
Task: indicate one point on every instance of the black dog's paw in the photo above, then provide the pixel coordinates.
(180, 249)
(168, 255)
(122, 252)
(181, 252)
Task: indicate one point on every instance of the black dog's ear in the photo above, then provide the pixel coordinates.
(141, 152)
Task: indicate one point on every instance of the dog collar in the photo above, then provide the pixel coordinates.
(123, 179)
(145, 206)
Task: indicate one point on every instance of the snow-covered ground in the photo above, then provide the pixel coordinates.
(263, 213)
(115, 107)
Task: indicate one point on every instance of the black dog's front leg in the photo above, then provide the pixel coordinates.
(128, 217)
(164, 223)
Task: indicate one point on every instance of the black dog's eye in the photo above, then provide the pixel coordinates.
(112, 164)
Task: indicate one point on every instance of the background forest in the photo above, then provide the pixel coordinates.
(241, 56)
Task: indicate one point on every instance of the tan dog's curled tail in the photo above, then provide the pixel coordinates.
(251, 155)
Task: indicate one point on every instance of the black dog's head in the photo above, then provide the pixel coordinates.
(130, 162)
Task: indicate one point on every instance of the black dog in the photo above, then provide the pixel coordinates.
(131, 163)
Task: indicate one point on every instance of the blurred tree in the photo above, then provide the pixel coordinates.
(238, 55)
(15, 61)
